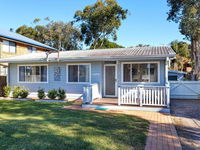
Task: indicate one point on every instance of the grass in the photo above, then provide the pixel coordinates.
(42, 126)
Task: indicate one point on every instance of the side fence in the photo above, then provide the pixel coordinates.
(185, 89)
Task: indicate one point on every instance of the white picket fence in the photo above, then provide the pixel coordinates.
(185, 89)
(153, 96)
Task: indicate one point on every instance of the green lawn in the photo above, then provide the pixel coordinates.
(39, 126)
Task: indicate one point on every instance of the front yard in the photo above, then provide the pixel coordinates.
(33, 125)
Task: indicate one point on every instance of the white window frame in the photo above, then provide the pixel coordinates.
(9, 51)
(67, 73)
(144, 62)
(32, 65)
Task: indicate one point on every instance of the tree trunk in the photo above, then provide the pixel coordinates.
(195, 55)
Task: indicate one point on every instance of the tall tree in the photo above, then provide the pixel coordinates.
(60, 35)
(187, 14)
(106, 44)
(100, 21)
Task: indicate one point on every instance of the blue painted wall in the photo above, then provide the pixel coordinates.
(97, 76)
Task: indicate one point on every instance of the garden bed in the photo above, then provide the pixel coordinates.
(15, 99)
(51, 100)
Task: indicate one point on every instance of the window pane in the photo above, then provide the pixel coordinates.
(73, 73)
(31, 49)
(33, 73)
(5, 46)
(28, 77)
(153, 72)
(22, 73)
(135, 73)
(36, 75)
(126, 73)
(12, 47)
(43, 74)
(84, 73)
(144, 77)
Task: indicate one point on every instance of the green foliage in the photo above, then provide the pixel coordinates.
(100, 21)
(187, 13)
(61, 94)
(105, 43)
(52, 94)
(60, 35)
(182, 60)
(181, 48)
(142, 45)
(23, 93)
(41, 93)
(28, 32)
(16, 92)
(6, 91)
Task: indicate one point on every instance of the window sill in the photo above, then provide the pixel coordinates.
(78, 82)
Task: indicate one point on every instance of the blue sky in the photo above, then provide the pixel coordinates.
(145, 24)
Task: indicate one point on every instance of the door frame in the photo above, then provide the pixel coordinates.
(104, 78)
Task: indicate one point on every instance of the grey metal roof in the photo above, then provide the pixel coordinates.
(98, 54)
(17, 37)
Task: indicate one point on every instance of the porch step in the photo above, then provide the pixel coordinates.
(143, 108)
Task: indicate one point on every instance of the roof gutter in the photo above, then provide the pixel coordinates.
(79, 59)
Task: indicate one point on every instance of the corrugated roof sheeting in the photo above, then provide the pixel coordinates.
(135, 52)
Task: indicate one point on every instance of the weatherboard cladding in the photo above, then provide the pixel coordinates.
(20, 38)
(135, 52)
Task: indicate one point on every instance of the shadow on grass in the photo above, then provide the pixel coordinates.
(30, 125)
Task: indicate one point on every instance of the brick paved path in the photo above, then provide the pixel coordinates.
(162, 133)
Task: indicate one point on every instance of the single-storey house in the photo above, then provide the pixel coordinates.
(134, 76)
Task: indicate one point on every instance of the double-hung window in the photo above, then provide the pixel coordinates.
(140, 72)
(9, 46)
(31, 73)
(78, 73)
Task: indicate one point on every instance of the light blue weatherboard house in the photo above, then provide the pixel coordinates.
(127, 76)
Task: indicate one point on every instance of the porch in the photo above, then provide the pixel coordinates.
(154, 98)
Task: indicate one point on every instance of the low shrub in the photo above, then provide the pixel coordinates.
(16, 92)
(6, 91)
(52, 94)
(41, 94)
(61, 94)
(23, 93)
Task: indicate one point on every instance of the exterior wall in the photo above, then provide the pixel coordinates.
(97, 77)
(71, 88)
(20, 50)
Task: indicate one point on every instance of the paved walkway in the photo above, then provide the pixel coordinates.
(187, 121)
(162, 133)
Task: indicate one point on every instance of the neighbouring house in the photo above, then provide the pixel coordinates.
(12, 44)
(129, 76)
(174, 75)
